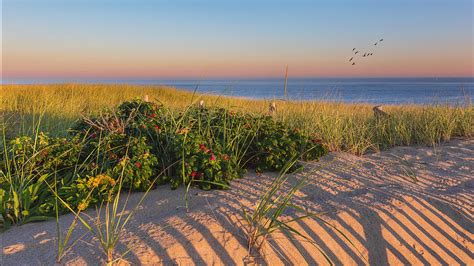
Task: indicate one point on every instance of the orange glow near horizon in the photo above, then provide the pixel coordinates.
(235, 39)
(50, 66)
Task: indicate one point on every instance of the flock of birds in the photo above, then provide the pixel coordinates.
(356, 52)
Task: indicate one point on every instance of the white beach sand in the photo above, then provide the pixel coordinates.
(372, 199)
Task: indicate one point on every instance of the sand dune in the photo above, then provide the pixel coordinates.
(408, 205)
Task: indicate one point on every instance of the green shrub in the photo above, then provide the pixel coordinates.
(276, 144)
(208, 168)
(114, 153)
(88, 191)
(26, 164)
(233, 141)
(139, 141)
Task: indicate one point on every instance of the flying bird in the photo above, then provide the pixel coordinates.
(356, 52)
(353, 49)
(381, 40)
(351, 59)
(376, 44)
(353, 63)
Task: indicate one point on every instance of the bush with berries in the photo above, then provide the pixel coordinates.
(143, 144)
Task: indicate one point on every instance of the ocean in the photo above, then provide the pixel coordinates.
(353, 90)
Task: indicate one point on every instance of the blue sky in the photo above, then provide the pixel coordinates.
(151, 39)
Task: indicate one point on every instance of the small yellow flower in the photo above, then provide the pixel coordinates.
(42, 140)
(111, 181)
(100, 180)
(92, 182)
(123, 161)
(83, 205)
(183, 131)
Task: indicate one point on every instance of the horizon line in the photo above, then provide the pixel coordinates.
(194, 78)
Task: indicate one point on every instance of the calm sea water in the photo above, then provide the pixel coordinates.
(370, 90)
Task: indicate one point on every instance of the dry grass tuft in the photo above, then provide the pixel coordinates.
(341, 126)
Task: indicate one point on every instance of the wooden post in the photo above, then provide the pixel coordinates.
(146, 99)
(272, 108)
(379, 113)
(201, 104)
(286, 82)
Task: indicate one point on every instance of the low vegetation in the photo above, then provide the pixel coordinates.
(68, 147)
(340, 126)
(136, 143)
(270, 213)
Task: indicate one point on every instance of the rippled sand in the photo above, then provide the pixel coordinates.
(408, 205)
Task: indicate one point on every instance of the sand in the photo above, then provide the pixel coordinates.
(373, 199)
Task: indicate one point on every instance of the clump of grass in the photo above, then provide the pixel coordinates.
(267, 217)
(110, 219)
(63, 244)
(20, 180)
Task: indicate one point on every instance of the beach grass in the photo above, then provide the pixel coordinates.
(350, 127)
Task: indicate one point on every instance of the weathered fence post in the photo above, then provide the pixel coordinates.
(379, 113)
(201, 104)
(285, 92)
(145, 98)
(272, 109)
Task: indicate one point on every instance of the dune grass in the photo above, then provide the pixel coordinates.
(31, 109)
(341, 126)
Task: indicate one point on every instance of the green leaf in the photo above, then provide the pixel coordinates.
(16, 204)
(37, 218)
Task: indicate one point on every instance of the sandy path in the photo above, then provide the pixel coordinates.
(372, 199)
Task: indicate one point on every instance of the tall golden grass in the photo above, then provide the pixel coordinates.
(341, 126)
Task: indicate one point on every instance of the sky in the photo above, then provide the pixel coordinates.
(144, 39)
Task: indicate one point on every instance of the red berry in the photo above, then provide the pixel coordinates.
(137, 164)
(213, 158)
